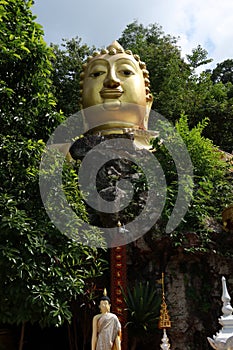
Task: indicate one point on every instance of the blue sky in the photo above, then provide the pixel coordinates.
(205, 22)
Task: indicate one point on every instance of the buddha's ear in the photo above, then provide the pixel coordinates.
(149, 103)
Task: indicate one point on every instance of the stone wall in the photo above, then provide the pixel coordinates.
(193, 289)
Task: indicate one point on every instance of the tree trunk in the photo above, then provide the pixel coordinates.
(75, 334)
(69, 337)
(72, 336)
(22, 336)
(134, 344)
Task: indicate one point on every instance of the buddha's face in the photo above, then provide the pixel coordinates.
(112, 80)
(116, 92)
(104, 306)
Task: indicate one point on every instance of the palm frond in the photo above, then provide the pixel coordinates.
(143, 304)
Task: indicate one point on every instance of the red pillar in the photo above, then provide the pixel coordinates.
(118, 281)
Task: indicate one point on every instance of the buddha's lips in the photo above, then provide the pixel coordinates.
(111, 93)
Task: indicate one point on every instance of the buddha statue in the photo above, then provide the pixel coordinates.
(106, 328)
(116, 96)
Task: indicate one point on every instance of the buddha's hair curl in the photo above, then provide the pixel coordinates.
(114, 49)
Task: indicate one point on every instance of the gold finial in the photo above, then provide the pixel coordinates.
(118, 223)
(105, 292)
(115, 47)
(164, 319)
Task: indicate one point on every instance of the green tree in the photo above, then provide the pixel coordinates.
(223, 72)
(67, 66)
(26, 98)
(212, 183)
(205, 99)
(198, 57)
(176, 85)
(41, 270)
(221, 116)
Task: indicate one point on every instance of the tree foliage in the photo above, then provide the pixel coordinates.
(176, 85)
(67, 66)
(223, 72)
(212, 182)
(41, 270)
(25, 74)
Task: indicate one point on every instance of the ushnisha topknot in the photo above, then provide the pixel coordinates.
(105, 296)
(114, 49)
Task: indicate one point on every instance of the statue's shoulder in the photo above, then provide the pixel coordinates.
(96, 317)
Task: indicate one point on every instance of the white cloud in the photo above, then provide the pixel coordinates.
(205, 22)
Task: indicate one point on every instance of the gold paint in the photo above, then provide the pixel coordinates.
(112, 51)
(145, 73)
(142, 65)
(129, 52)
(116, 46)
(137, 57)
(116, 82)
(147, 82)
(164, 319)
(227, 218)
(103, 51)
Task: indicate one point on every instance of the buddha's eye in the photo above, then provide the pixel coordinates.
(126, 72)
(96, 74)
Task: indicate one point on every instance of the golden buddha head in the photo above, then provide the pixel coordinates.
(105, 304)
(118, 83)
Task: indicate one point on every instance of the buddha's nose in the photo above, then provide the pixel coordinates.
(111, 80)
